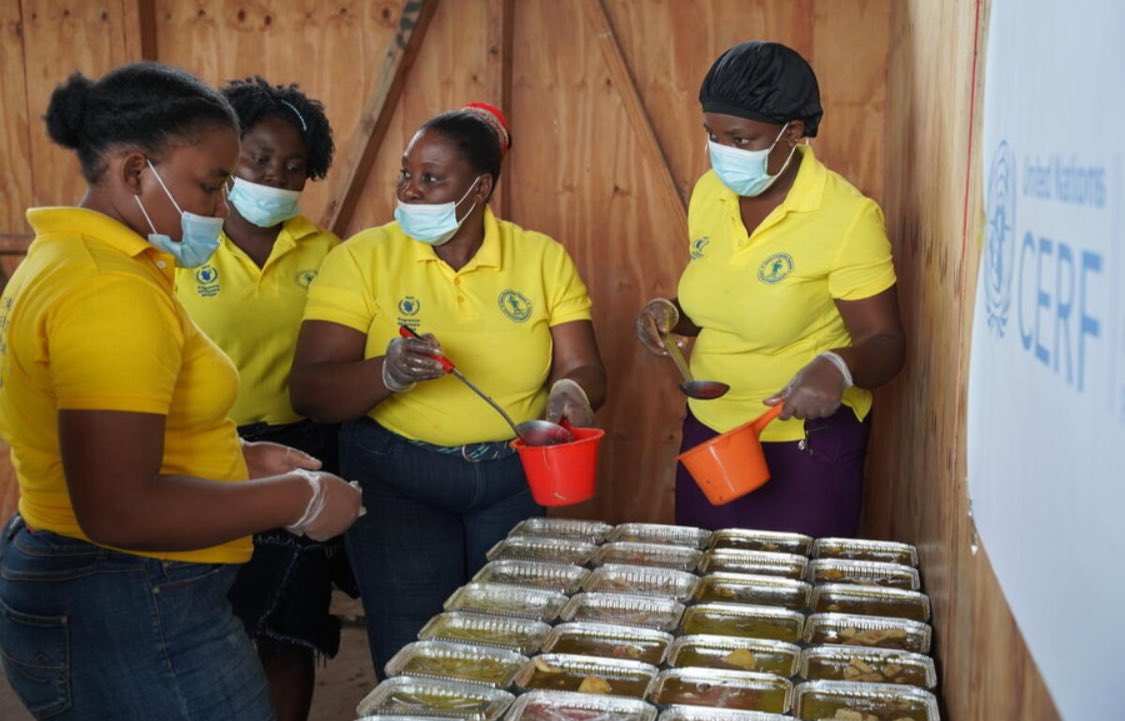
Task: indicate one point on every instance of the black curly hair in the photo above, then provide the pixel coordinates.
(144, 105)
(477, 141)
(255, 100)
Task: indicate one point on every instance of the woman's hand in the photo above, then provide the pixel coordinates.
(815, 391)
(656, 319)
(264, 458)
(568, 401)
(409, 360)
(331, 509)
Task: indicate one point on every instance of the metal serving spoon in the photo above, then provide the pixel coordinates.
(699, 390)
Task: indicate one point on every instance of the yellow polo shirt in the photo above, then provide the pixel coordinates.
(254, 313)
(492, 317)
(89, 322)
(765, 301)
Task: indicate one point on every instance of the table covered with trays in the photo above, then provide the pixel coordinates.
(583, 621)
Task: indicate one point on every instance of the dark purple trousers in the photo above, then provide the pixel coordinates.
(817, 491)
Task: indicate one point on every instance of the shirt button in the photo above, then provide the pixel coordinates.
(161, 264)
(460, 299)
(456, 281)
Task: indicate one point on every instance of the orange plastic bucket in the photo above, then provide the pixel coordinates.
(731, 464)
(562, 474)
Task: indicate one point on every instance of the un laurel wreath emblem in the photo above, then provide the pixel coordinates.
(409, 306)
(207, 275)
(515, 305)
(1000, 245)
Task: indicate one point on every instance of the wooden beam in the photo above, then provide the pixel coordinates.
(15, 243)
(140, 29)
(376, 117)
(622, 76)
(499, 83)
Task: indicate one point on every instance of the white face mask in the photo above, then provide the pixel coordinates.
(432, 224)
(746, 172)
(263, 205)
(199, 236)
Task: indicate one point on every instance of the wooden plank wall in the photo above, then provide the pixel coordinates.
(917, 467)
(607, 146)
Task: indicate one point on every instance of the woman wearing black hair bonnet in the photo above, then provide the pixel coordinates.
(790, 291)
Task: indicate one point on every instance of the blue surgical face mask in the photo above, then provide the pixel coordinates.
(433, 224)
(263, 205)
(746, 172)
(200, 233)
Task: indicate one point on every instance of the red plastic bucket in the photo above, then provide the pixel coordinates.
(563, 474)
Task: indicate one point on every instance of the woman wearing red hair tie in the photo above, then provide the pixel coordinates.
(440, 482)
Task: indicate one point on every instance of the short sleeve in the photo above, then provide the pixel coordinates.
(863, 266)
(342, 292)
(569, 299)
(115, 343)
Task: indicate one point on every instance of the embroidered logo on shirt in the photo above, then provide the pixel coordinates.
(697, 247)
(207, 279)
(775, 268)
(304, 277)
(409, 306)
(515, 305)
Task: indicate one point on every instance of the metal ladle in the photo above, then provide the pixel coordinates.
(536, 432)
(699, 390)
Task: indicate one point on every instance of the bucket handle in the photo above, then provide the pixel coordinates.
(761, 421)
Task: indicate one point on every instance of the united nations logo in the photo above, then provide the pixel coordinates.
(698, 245)
(515, 305)
(775, 268)
(304, 277)
(207, 275)
(207, 281)
(1000, 246)
(409, 306)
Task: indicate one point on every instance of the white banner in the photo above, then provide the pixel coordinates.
(1046, 420)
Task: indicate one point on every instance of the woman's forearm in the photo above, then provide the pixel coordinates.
(875, 360)
(333, 392)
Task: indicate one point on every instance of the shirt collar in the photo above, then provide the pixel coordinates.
(105, 229)
(488, 255)
(807, 191)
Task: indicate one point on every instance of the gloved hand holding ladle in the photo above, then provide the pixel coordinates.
(536, 432)
(654, 326)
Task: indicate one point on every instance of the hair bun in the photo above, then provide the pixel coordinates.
(66, 112)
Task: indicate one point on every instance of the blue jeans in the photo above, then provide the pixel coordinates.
(430, 519)
(88, 633)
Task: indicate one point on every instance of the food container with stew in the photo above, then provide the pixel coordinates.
(648, 554)
(743, 690)
(503, 600)
(735, 619)
(732, 560)
(561, 577)
(655, 580)
(587, 674)
(868, 665)
(410, 696)
(522, 634)
(874, 631)
(634, 643)
(773, 541)
(847, 701)
(870, 601)
(735, 654)
(488, 665)
(758, 589)
(689, 536)
(659, 612)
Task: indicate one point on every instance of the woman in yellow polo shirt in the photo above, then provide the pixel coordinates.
(791, 292)
(268, 254)
(506, 305)
(135, 510)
